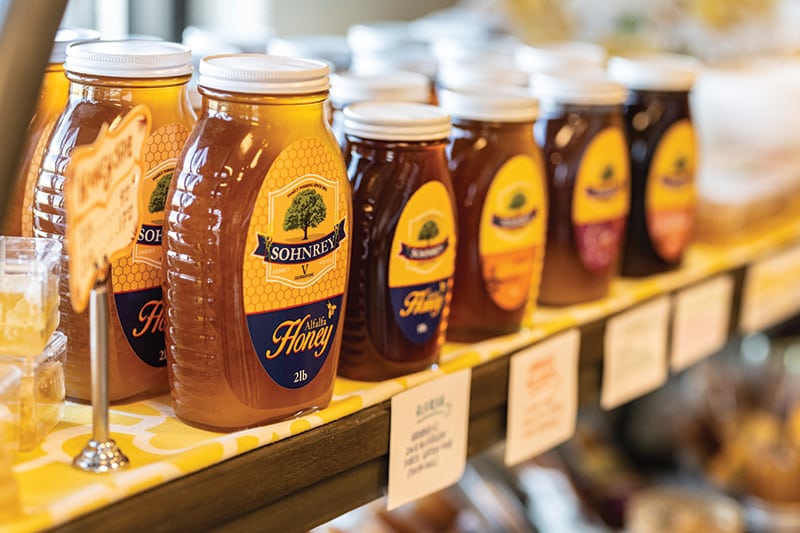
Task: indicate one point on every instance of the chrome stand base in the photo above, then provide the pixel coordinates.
(101, 457)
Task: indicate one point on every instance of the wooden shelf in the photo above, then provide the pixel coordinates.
(304, 480)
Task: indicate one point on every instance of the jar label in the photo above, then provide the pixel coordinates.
(136, 277)
(422, 262)
(601, 200)
(512, 232)
(670, 194)
(295, 262)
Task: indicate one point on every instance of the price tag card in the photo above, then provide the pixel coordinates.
(635, 353)
(700, 321)
(101, 197)
(428, 441)
(542, 396)
(771, 291)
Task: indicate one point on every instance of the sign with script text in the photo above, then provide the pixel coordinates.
(101, 200)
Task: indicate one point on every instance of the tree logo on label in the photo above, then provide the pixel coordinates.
(679, 177)
(307, 210)
(158, 198)
(428, 231)
(517, 201)
(607, 188)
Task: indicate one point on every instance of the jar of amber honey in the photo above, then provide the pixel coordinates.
(258, 246)
(349, 88)
(404, 239)
(110, 80)
(52, 100)
(501, 200)
(663, 153)
(582, 136)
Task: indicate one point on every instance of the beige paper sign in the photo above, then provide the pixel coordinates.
(428, 441)
(771, 291)
(700, 321)
(635, 353)
(101, 200)
(542, 396)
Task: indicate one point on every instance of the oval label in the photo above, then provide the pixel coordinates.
(671, 194)
(422, 262)
(601, 199)
(512, 232)
(136, 277)
(295, 263)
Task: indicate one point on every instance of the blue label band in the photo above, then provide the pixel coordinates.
(150, 235)
(293, 344)
(423, 253)
(418, 309)
(141, 315)
(294, 254)
(515, 221)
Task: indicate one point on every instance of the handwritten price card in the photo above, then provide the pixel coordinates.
(635, 353)
(700, 321)
(428, 441)
(542, 397)
(771, 291)
(101, 200)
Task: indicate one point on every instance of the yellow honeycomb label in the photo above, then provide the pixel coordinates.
(601, 199)
(512, 231)
(670, 193)
(136, 277)
(422, 262)
(296, 260)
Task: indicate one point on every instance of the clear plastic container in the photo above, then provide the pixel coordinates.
(32, 395)
(9, 392)
(29, 276)
(10, 380)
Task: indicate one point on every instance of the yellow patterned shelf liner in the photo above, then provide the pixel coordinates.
(162, 448)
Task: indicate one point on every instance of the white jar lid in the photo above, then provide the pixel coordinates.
(490, 103)
(557, 55)
(457, 75)
(396, 121)
(464, 28)
(400, 86)
(499, 49)
(667, 72)
(66, 36)
(577, 88)
(263, 74)
(388, 35)
(129, 59)
(332, 48)
(414, 60)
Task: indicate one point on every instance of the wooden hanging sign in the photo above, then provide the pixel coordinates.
(101, 201)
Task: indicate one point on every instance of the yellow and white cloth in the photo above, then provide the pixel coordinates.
(162, 448)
